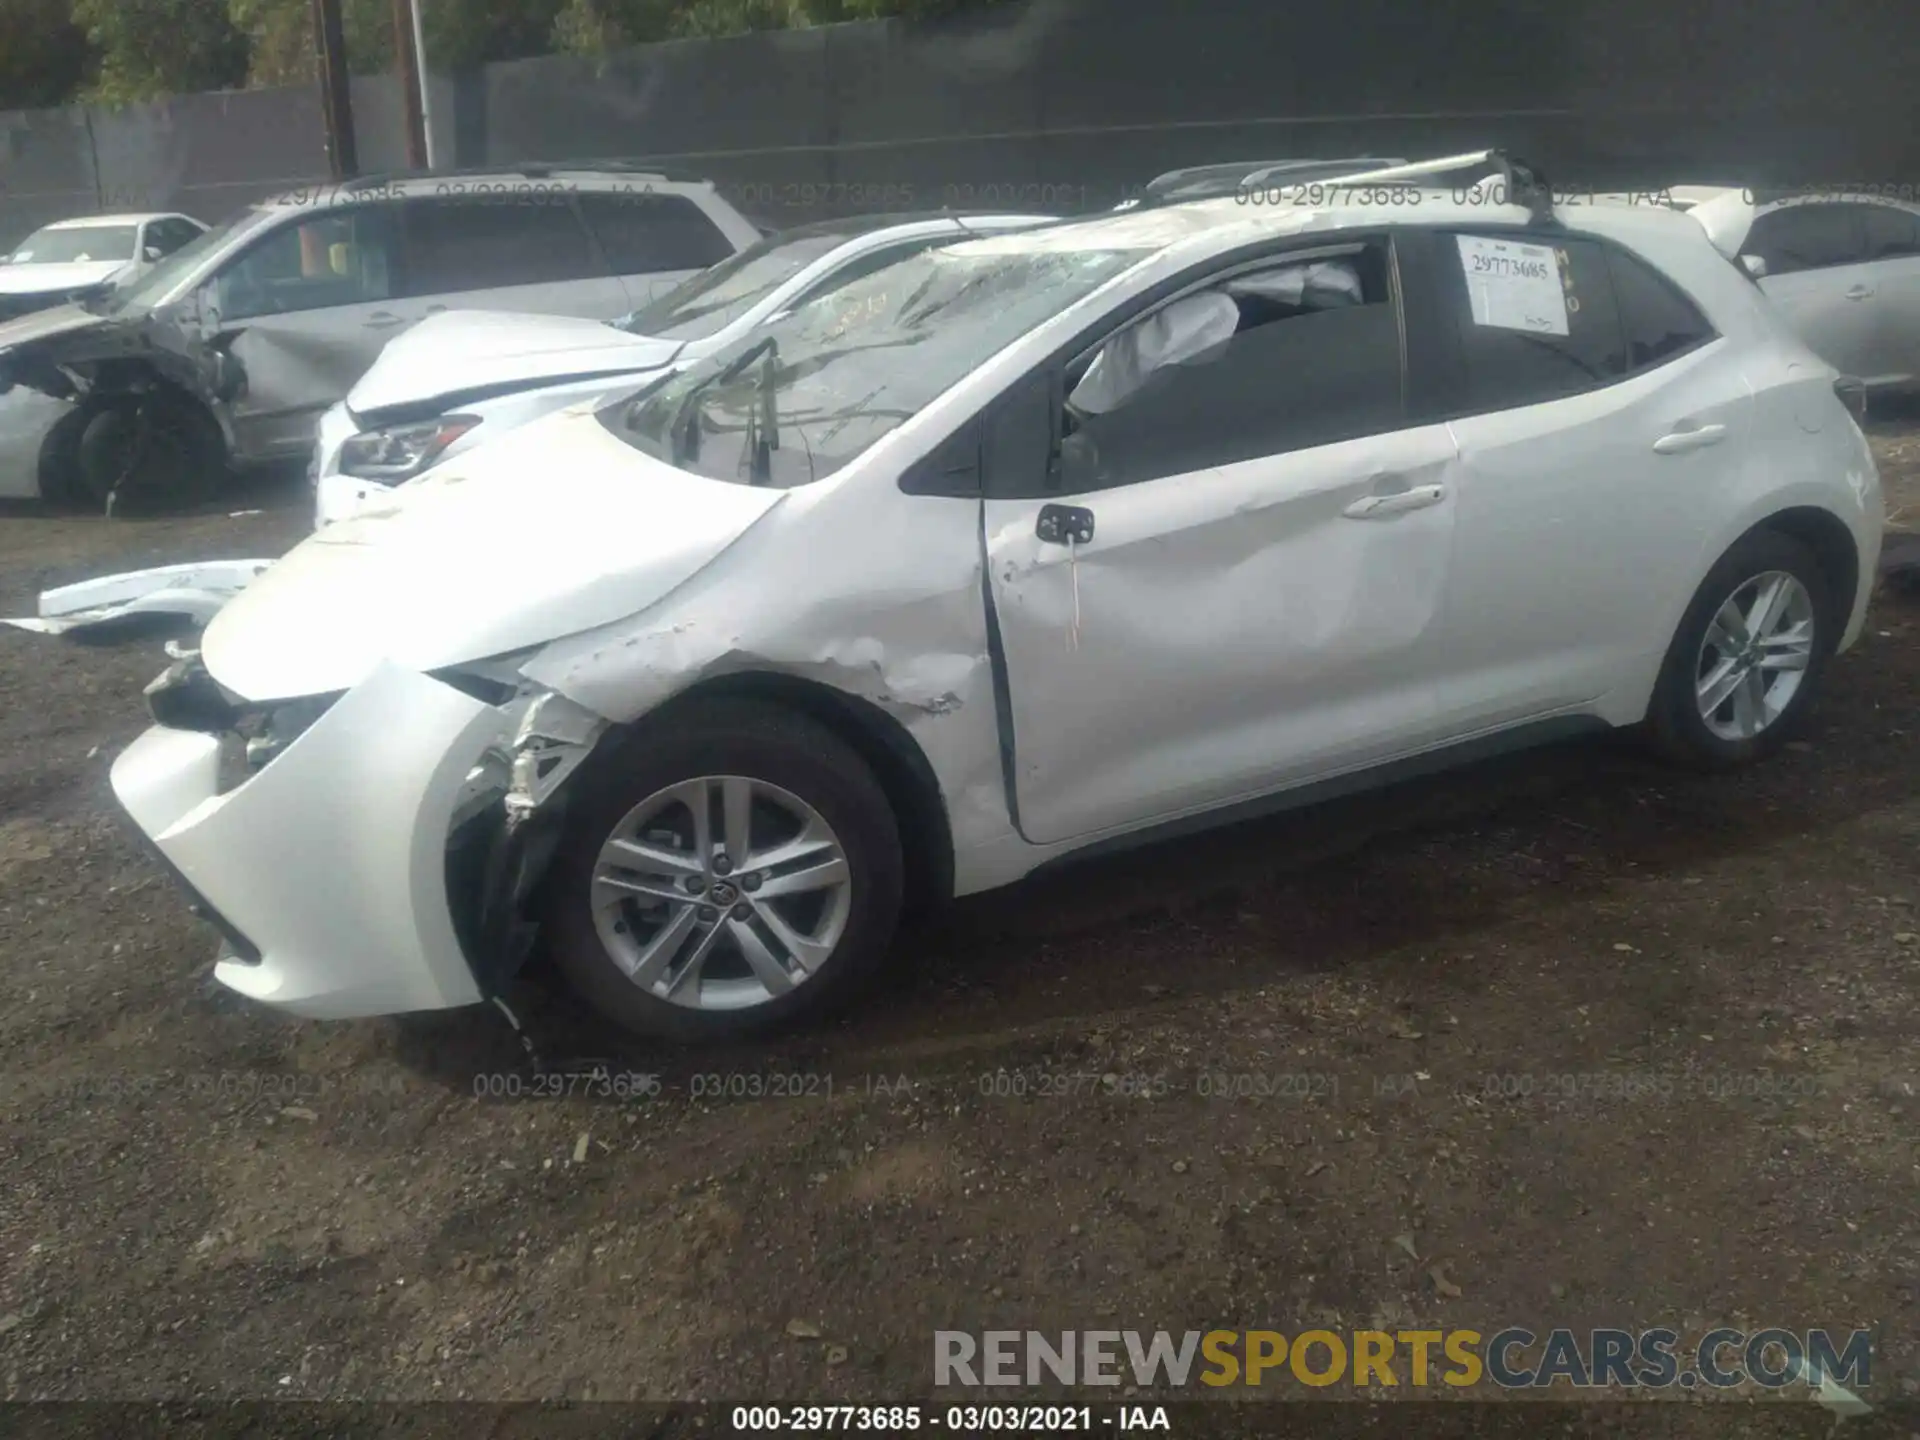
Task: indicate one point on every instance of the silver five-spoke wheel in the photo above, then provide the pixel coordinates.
(721, 892)
(1754, 655)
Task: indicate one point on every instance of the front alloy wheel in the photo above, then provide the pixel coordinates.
(721, 892)
(731, 867)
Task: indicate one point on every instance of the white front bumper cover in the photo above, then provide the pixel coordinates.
(332, 859)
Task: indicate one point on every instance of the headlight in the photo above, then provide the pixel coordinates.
(401, 452)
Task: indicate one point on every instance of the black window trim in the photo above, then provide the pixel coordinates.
(938, 473)
(1451, 347)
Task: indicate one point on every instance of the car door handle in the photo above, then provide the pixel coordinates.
(1398, 502)
(436, 309)
(1860, 292)
(1683, 440)
(384, 320)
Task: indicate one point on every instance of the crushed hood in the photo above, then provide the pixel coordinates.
(466, 355)
(35, 348)
(47, 325)
(472, 561)
(50, 279)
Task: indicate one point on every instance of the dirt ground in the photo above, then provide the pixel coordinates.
(201, 1201)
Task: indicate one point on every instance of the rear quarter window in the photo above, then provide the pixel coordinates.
(1659, 322)
(642, 232)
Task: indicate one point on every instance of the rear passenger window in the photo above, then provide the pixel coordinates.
(1536, 321)
(1660, 322)
(1891, 232)
(1806, 237)
(487, 242)
(1298, 353)
(643, 233)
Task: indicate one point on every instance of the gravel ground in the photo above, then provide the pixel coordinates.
(204, 1202)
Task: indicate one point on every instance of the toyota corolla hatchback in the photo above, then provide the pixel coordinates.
(1007, 552)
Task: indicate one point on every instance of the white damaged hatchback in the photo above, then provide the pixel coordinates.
(1007, 552)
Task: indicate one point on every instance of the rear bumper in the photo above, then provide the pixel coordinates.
(330, 863)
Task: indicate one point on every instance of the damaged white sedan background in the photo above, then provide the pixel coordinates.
(1004, 553)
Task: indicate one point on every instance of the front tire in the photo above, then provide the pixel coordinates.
(1743, 667)
(154, 450)
(730, 869)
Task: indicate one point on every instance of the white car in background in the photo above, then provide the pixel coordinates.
(72, 258)
(468, 376)
(1843, 270)
(1021, 548)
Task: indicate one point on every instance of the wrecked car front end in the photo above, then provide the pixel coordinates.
(422, 825)
(164, 385)
(148, 355)
(361, 790)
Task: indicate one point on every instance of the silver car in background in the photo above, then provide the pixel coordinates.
(465, 377)
(1843, 270)
(226, 353)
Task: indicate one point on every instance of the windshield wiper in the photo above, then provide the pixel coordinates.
(683, 430)
(767, 426)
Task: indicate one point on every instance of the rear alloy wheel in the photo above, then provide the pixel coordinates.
(1744, 665)
(725, 873)
(1754, 656)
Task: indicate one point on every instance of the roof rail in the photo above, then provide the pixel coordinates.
(1522, 184)
(528, 169)
(1231, 177)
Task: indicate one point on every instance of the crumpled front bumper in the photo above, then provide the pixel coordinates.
(331, 860)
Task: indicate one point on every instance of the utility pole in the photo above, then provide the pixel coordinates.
(426, 86)
(406, 56)
(336, 95)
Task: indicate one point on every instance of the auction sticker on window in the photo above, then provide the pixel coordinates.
(1512, 286)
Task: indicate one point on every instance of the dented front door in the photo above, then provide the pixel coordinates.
(304, 311)
(1222, 633)
(296, 366)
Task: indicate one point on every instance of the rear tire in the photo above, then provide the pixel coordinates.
(1744, 665)
(747, 936)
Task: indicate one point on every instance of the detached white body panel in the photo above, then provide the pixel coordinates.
(195, 591)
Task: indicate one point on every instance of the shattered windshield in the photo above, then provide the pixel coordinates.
(76, 245)
(809, 393)
(715, 298)
(166, 277)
